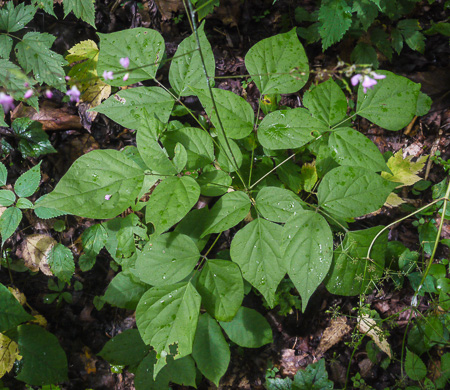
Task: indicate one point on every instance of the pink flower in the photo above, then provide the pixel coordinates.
(377, 76)
(107, 197)
(367, 81)
(74, 94)
(356, 79)
(125, 62)
(125, 78)
(48, 94)
(67, 78)
(108, 75)
(26, 85)
(7, 102)
(28, 94)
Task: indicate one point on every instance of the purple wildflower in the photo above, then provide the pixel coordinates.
(28, 94)
(125, 62)
(7, 102)
(74, 94)
(367, 81)
(125, 78)
(108, 75)
(48, 94)
(107, 197)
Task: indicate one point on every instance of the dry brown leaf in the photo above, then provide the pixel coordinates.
(166, 7)
(333, 335)
(9, 353)
(369, 326)
(35, 250)
(18, 295)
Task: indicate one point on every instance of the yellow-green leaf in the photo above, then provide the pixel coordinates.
(404, 171)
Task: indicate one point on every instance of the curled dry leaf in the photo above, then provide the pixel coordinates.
(333, 335)
(35, 250)
(369, 326)
(18, 295)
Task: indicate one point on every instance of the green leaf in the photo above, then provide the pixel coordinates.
(16, 18)
(210, 350)
(414, 366)
(167, 259)
(186, 70)
(336, 18)
(83, 9)
(7, 198)
(439, 28)
(13, 79)
(222, 288)
(130, 107)
(100, 185)
(366, 11)
(23, 203)
(3, 174)
(229, 210)
(224, 158)
(9, 221)
(391, 103)
(6, 44)
(33, 141)
(94, 239)
(314, 377)
(409, 28)
(34, 54)
(214, 183)
(27, 183)
(350, 147)
(193, 225)
(236, 114)
(198, 144)
(144, 48)
(326, 102)
(256, 249)
(277, 204)
(397, 40)
(44, 361)
(381, 40)
(365, 54)
(349, 192)
(46, 5)
(61, 262)
(170, 201)
(278, 64)
(166, 317)
(289, 129)
(205, 7)
(124, 291)
(127, 348)
(248, 329)
(11, 311)
(351, 272)
(424, 103)
(308, 251)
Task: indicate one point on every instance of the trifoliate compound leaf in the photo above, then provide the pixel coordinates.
(222, 288)
(125, 291)
(166, 317)
(170, 201)
(27, 183)
(101, 184)
(335, 18)
(277, 204)
(9, 221)
(143, 47)
(248, 329)
(34, 54)
(11, 311)
(404, 170)
(256, 249)
(83, 9)
(60, 260)
(186, 69)
(210, 350)
(166, 259)
(9, 352)
(278, 64)
(308, 250)
(15, 18)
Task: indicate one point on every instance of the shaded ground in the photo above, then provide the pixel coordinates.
(232, 30)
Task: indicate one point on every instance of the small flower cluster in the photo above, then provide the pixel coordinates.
(109, 75)
(367, 81)
(7, 102)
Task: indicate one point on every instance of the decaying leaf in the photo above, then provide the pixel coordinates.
(394, 200)
(35, 250)
(9, 353)
(18, 295)
(404, 171)
(369, 326)
(333, 335)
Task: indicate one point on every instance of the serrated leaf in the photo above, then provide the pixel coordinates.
(210, 350)
(277, 204)
(278, 64)
(15, 18)
(214, 183)
(397, 40)
(83, 9)
(144, 48)
(248, 329)
(9, 352)
(44, 361)
(3, 174)
(13, 79)
(409, 28)
(170, 201)
(289, 129)
(336, 18)
(349, 192)
(229, 210)
(46, 5)
(222, 288)
(94, 238)
(391, 103)
(166, 317)
(124, 291)
(351, 272)
(380, 39)
(205, 7)
(6, 43)
(27, 183)
(367, 11)
(127, 348)
(315, 376)
(100, 185)
(365, 54)
(404, 171)
(186, 68)
(256, 249)
(7, 198)
(308, 250)
(34, 54)
(60, 260)
(236, 115)
(129, 107)
(326, 102)
(167, 259)
(350, 147)
(9, 221)
(33, 141)
(11, 311)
